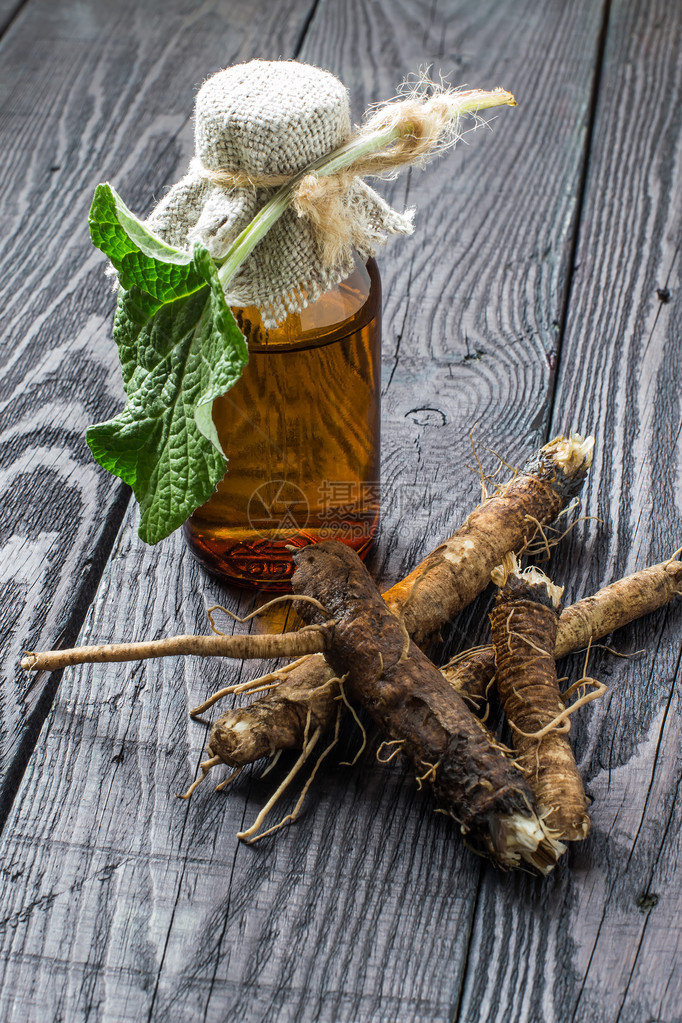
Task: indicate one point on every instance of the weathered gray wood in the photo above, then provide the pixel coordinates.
(87, 93)
(9, 10)
(475, 307)
(602, 942)
(121, 903)
(147, 905)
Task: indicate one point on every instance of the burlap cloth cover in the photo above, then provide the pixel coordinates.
(269, 118)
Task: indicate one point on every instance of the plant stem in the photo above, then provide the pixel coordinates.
(344, 156)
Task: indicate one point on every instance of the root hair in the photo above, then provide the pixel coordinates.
(398, 743)
(205, 768)
(358, 722)
(254, 685)
(285, 597)
(251, 834)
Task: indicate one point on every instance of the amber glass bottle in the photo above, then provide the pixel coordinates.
(301, 431)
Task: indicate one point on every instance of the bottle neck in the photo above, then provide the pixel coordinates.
(345, 308)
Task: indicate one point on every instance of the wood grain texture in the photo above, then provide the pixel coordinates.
(122, 903)
(9, 9)
(120, 897)
(87, 92)
(476, 297)
(603, 941)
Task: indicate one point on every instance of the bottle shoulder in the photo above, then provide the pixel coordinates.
(342, 310)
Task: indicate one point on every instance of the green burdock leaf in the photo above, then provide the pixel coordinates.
(141, 258)
(179, 351)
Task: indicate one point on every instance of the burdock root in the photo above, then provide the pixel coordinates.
(524, 626)
(582, 623)
(448, 579)
(472, 779)
(279, 720)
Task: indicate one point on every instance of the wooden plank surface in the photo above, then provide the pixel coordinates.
(602, 941)
(8, 11)
(87, 93)
(122, 903)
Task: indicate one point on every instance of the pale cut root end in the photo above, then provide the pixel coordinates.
(532, 575)
(524, 838)
(517, 838)
(572, 454)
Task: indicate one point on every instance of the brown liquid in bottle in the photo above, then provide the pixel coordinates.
(301, 432)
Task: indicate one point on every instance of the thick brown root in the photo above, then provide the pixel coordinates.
(278, 720)
(457, 571)
(472, 779)
(445, 582)
(582, 623)
(617, 605)
(524, 626)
